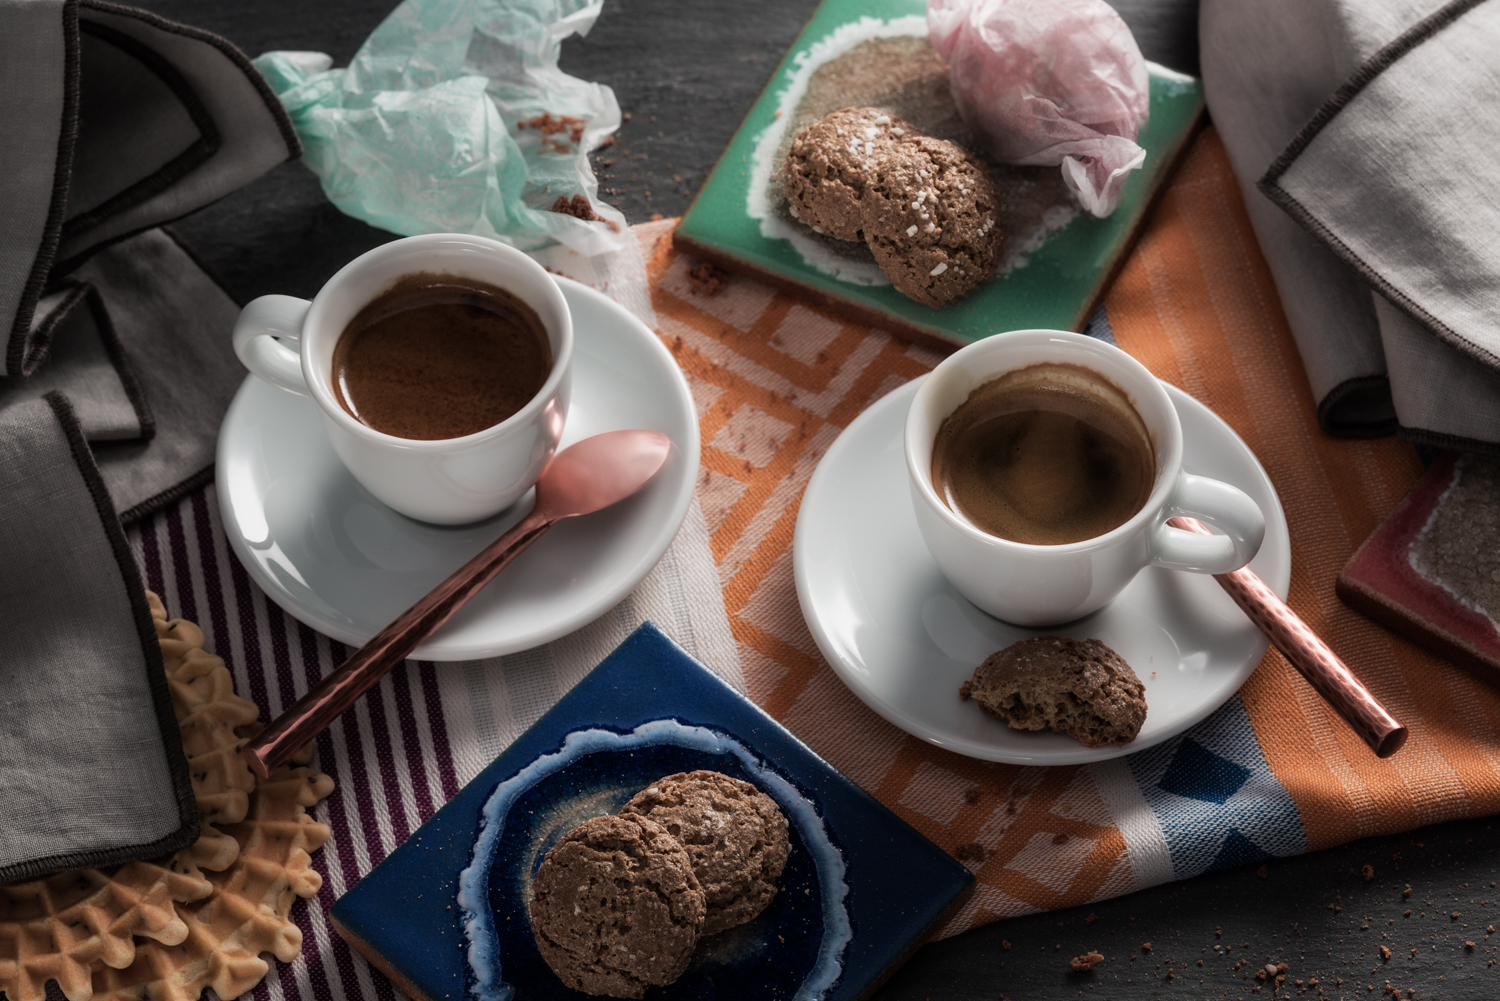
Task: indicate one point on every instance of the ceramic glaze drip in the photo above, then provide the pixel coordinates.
(473, 882)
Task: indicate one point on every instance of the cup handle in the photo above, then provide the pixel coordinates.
(259, 334)
(1228, 509)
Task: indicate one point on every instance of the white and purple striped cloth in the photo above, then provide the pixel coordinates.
(410, 744)
(425, 731)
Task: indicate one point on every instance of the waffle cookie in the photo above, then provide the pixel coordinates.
(170, 927)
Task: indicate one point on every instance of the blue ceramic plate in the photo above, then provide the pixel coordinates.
(446, 914)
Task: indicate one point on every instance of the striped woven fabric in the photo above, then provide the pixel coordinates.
(1272, 773)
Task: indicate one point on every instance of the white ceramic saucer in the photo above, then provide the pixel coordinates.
(334, 557)
(904, 640)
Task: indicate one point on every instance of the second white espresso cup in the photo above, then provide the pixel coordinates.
(289, 343)
(1033, 585)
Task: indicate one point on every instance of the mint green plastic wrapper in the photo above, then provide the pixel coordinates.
(423, 132)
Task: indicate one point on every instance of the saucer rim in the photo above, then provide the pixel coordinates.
(645, 340)
(849, 671)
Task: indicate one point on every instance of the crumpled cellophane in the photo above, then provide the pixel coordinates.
(1048, 82)
(454, 117)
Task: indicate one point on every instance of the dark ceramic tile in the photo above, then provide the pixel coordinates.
(649, 710)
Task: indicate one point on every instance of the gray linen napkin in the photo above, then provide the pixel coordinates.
(112, 121)
(115, 342)
(92, 771)
(1373, 125)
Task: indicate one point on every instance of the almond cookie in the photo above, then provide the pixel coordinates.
(1078, 687)
(931, 217)
(735, 835)
(616, 908)
(829, 166)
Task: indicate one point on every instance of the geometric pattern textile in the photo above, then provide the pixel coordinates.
(1274, 772)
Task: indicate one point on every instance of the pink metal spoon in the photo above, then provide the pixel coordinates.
(582, 479)
(1329, 676)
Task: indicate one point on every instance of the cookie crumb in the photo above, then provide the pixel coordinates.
(1092, 917)
(1004, 944)
(1368, 872)
(578, 207)
(708, 280)
(971, 852)
(971, 796)
(1085, 962)
(966, 690)
(1385, 953)
(1145, 946)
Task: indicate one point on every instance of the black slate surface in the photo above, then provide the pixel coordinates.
(687, 71)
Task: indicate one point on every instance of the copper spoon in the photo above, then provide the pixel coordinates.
(1313, 659)
(582, 479)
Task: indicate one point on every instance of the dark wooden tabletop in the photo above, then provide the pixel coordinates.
(687, 71)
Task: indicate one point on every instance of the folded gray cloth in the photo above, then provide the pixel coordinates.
(92, 770)
(173, 324)
(113, 120)
(1370, 124)
(116, 368)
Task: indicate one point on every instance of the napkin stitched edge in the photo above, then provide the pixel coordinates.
(19, 358)
(237, 58)
(156, 679)
(1269, 182)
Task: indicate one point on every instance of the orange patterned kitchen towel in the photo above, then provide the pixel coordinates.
(1272, 773)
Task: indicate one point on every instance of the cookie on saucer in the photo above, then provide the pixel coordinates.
(1078, 687)
(615, 907)
(735, 835)
(931, 216)
(830, 163)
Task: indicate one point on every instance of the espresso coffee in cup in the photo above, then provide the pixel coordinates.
(1056, 525)
(1045, 455)
(440, 356)
(453, 374)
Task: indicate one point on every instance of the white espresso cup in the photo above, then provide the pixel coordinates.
(1042, 585)
(289, 343)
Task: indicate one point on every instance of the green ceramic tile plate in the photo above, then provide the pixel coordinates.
(1059, 258)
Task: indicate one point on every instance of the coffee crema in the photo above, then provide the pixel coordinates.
(440, 356)
(1045, 455)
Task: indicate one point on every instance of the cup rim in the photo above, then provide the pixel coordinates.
(1169, 465)
(561, 362)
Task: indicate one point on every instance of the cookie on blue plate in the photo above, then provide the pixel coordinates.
(735, 835)
(615, 907)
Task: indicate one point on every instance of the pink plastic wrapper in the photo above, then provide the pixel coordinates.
(1045, 82)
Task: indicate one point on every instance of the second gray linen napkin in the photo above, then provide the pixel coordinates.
(1373, 124)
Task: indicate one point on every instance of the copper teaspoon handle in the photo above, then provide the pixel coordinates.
(1312, 657)
(310, 714)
